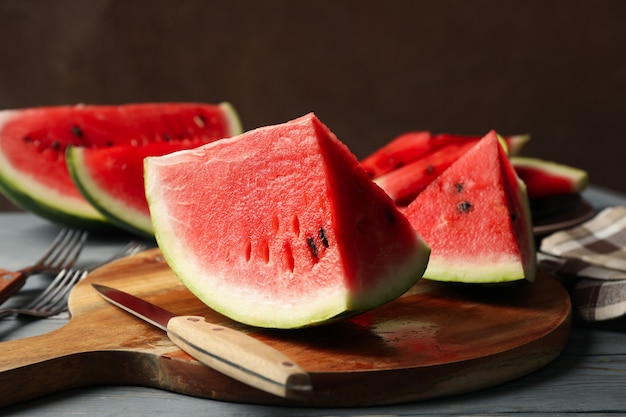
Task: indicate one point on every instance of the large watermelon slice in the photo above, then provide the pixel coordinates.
(280, 227)
(33, 170)
(476, 218)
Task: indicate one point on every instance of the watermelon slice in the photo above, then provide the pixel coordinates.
(399, 152)
(280, 227)
(33, 170)
(111, 179)
(476, 218)
(411, 146)
(547, 179)
(404, 184)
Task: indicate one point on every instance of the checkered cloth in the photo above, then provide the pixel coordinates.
(599, 242)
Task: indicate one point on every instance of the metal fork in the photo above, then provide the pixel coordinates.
(53, 300)
(61, 254)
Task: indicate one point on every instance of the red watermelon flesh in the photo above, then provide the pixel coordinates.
(476, 218)
(397, 153)
(280, 227)
(33, 171)
(404, 184)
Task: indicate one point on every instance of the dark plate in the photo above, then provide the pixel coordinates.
(571, 216)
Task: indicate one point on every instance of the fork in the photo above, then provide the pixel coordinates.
(61, 254)
(53, 300)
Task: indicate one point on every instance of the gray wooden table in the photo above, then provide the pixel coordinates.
(588, 378)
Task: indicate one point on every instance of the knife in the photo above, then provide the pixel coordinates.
(226, 350)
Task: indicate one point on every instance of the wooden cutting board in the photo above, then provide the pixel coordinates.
(437, 340)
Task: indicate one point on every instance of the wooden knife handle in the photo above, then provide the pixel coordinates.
(10, 283)
(239, 356)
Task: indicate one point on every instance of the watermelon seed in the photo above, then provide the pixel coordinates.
(166, 137)
(430, 169)
(77, 131)
(312, 246)
(27, 139)
(513, 216)
(56, 145)
(464, 207)
(323, 237)
(458, 187)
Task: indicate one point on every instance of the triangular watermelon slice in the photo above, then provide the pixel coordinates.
(476, 218)
(280, 227)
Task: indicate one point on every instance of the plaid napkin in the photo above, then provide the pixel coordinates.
(599, 242)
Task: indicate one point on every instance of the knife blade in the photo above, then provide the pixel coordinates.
(226, 350)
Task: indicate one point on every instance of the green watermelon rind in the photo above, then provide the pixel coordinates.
(44, 203)
(516, 143)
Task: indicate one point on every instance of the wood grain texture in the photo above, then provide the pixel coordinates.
(437, 340)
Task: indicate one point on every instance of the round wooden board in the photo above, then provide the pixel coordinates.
(437, 340)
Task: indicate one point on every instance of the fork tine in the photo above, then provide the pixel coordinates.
(59, 302)
(68, 250)
(53, 300)
(55, 243)
(51, 289)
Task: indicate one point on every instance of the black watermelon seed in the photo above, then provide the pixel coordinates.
(323, 237)
(312, 246)
(513, 216)
(464, 207)
(458, 187)
(77, 131)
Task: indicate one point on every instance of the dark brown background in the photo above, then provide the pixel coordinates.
(369, 69)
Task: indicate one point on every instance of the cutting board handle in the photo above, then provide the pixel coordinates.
(39, 365)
